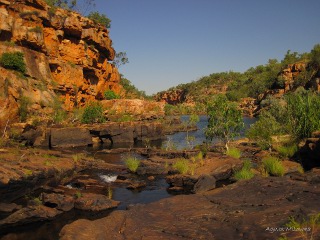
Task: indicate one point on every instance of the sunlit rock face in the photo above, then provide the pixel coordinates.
(65, 53)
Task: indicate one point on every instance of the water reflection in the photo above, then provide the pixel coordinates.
(179, 139)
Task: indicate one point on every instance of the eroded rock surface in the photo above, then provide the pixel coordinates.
(65, 54)
(243, 210)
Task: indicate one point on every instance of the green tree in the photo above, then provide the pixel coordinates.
(225, 120)
(120, 59)
(100, 18)
(315, 58)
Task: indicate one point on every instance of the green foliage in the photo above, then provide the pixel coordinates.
(9, 43)
(37, 201)
(125, 118)
(109, 94)
(131, 91)
(225, 120)
(93, 113)
(132, 163)
(120, 59)
(14, 60)
(315, 58)
(234, 152)
(273, 166)
(23, 108)
(262, 130)
(77, 157)
(100, 18)
(290, 58)
(307, 228)
(245, 172)
(66, 4)
(59, 114)
(303, 113)
(287, 150)
(181, 165)
(78, 195)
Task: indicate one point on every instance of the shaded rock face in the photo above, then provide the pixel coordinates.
(290, 74)
(310, 153)
(249, 106)
(64, 53)
(111, 133)
(241, 211)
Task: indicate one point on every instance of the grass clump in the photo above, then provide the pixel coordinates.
(181, 165)
(132, 163)
(273, 166)
(77, 157)
(233, 152)
(245, 172)
(307, 228)
(13, 60)
(287, 151)
(93, 113)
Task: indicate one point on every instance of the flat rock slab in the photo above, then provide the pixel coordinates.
(30, 214)
(244, 210)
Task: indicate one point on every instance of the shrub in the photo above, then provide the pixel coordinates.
(245, 172)
(93, 113)
(100, 18)
(262, 130)
(233, 152)
(303, 113)
(273, 166)
(13, 61)
(132, 163)
(109, 94)
(181, 165)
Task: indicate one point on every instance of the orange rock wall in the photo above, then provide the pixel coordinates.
(67, 51)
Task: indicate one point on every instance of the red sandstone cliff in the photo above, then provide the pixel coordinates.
(66, 55)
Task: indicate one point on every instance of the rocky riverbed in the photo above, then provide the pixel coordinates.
(90, 194)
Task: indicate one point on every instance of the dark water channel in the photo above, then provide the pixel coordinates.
(153, 191)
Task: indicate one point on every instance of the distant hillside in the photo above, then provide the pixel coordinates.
(257, 82)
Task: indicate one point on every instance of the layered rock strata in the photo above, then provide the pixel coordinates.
(65, 54)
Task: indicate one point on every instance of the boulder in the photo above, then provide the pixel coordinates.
(94, 202)
(204, 183)
(58, 201)
(309, 153)
(30, 214)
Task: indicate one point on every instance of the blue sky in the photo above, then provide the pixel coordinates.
(169, 42)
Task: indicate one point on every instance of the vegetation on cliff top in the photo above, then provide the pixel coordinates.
(252, 83)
